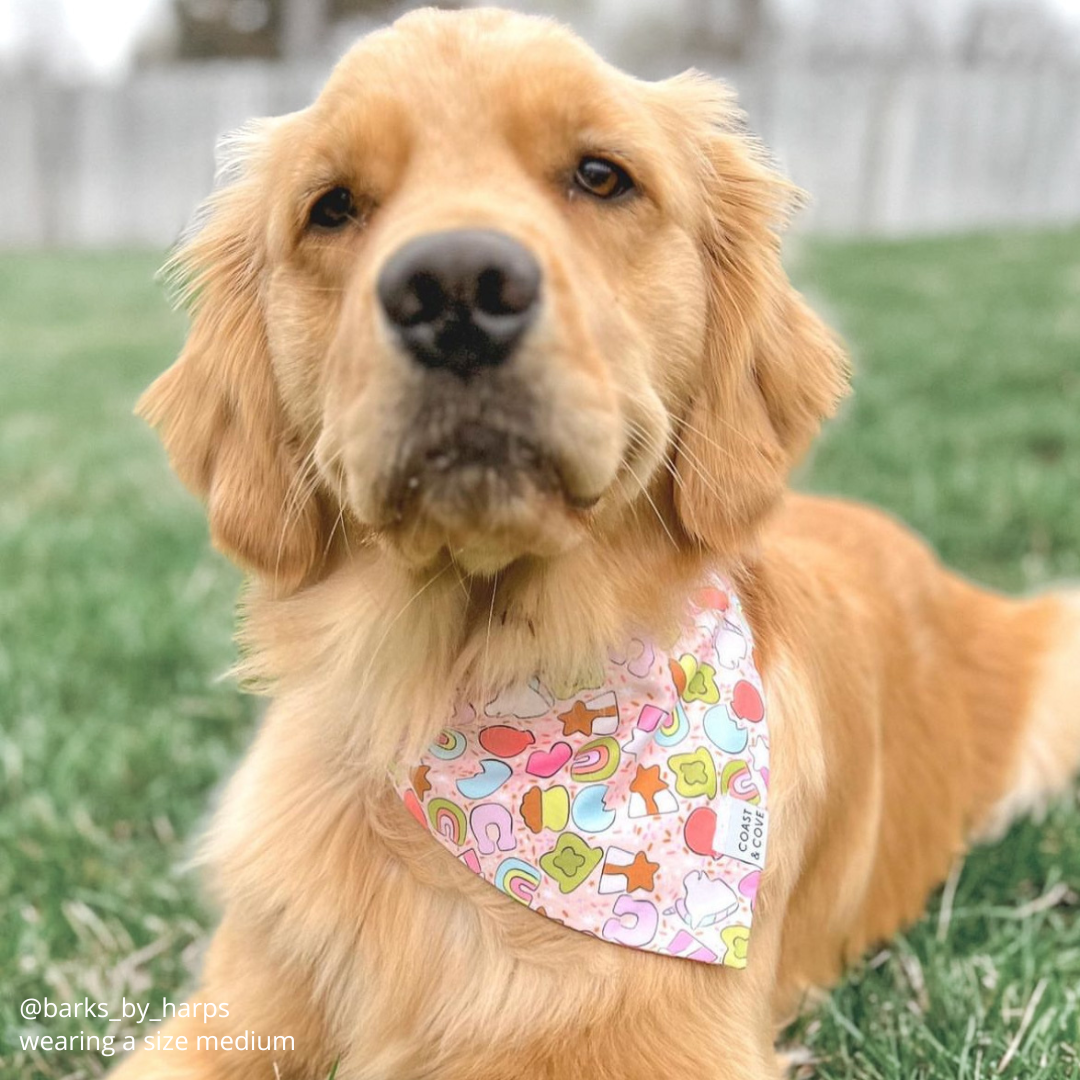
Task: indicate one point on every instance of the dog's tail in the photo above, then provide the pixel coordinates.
(1046, 759)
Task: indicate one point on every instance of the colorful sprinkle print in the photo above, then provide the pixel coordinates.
(633, 809)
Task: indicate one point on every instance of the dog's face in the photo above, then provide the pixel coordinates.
(488, 232)
(482, 300)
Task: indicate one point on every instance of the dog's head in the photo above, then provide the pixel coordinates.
(483, 299)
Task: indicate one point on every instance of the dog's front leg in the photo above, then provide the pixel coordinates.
(251, 1017)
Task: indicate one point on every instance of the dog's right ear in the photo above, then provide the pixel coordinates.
(772, 370)
(218, 409)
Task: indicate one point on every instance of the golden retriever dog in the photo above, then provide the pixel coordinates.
(492, 357)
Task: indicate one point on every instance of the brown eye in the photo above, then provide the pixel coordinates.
(333, 209)
(602, 178)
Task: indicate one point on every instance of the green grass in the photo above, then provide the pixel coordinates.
(115, 619)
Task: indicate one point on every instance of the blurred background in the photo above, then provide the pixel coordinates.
(940, 144)
(898, 115)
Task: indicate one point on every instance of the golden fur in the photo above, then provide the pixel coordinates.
(677, 373)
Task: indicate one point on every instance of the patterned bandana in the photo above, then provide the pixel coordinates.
(633, 810)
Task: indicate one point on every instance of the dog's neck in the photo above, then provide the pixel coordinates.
(390, 652)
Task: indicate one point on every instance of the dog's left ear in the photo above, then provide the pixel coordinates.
(772, 370)
(218, 409)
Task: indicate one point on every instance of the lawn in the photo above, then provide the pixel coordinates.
(116, 621)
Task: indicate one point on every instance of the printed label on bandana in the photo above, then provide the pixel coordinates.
(634, 809)
(745, 830)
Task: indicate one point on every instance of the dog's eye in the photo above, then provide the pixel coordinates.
(333, 209)
(602, 178)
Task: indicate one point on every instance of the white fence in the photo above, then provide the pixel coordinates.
(881, 150)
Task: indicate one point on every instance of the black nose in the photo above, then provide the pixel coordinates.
(460, 299)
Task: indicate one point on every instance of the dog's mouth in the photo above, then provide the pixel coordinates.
(473, 473)
(475, 468)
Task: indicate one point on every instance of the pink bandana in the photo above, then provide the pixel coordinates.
(633, 810)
